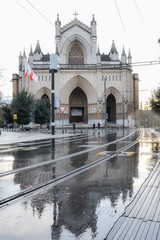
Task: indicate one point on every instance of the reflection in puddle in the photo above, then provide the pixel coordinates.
(83, 207)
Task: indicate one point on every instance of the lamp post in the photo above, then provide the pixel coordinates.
(53, 69)
(124, 101)
(105, 105)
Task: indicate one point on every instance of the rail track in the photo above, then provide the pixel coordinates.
(57, 180)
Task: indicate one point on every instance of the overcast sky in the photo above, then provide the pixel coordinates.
(135, 24)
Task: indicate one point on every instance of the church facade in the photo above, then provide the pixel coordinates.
(85, 78)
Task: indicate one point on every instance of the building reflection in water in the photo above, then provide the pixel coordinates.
(74, 203)
(31, 178)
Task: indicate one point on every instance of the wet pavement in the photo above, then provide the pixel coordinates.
(81, 206)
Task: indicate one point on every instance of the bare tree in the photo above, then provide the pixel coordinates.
(1, 83)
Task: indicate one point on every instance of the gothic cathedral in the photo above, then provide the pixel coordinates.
(85, 77)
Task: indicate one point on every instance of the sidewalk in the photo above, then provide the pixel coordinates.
(141, 219)
(9, 137)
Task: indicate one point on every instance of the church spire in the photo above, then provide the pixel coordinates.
(37, 52)
(113, 48)
(24, 53)
(113, 52)
(93, 27)
(93, 20)
(31, 52)
(129, 58)
(31, 56)
(98, 52)
(123, 56)
(58, 26)
(98, 56)
(20, 61)
(123, 52)
(58, 22)
(129, 54)
(57, 51)
(38, 48)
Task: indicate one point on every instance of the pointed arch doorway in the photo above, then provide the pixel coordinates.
(78, 106)
(111, 108)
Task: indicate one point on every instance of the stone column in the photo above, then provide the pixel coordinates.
(15, 84)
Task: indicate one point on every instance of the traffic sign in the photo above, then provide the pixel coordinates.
(14, 116)
(62, 108)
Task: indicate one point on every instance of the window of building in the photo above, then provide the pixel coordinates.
(76, 56)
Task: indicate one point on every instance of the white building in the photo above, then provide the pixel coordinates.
(79, 82)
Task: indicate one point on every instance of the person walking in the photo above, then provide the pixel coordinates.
(93, 126)
(74, 127)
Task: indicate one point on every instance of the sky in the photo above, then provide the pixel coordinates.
(130, 23)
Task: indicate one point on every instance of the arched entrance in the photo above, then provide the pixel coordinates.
(111, 108)
(47, 100)
(78, 106)
(45, 97)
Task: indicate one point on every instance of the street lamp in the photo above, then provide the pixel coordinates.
(105, 110)
(53, 70)
(124, 101)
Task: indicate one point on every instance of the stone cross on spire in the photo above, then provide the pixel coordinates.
(75, 15)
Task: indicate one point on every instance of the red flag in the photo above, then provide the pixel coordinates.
(29, 71)
(31, 75)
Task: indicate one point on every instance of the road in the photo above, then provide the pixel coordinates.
(80, 188)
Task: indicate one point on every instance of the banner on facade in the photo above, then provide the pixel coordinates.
(76, 111)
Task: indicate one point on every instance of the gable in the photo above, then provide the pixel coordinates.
(74, 23)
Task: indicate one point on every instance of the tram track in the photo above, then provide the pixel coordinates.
(46, 142)
(41, 143)
(32, 167)
(55, 181)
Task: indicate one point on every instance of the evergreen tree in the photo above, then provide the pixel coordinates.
(7, 113)
(24, 106)
(42, 111)
(154, 101)
(1, 96)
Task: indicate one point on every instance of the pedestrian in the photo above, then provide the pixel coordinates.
(99, 125)
(74, 127)
(93, 126)
(5, 126)
(48, 127)
(157, 146)
(11, 127)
